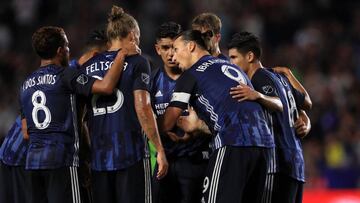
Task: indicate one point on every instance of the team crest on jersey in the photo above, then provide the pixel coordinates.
(82, 79)
(145, 78)
(267, 89)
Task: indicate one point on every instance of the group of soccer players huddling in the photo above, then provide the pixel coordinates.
(225, 128)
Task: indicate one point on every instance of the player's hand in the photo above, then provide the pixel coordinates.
(162, 165)
(282, 70)
(189, 123)
(301, 128)
(173, 137)
(130, 48)
(243, 92)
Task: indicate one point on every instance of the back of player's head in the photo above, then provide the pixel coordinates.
(168, 30)
(47, 40)
(208, 21)
(96, 39)
(120, 24)
(201, 39)
(245, 42)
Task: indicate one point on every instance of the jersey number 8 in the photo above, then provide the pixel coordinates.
(39, 105)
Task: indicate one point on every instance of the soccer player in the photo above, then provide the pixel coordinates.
(209, 21)
(49, 116)
(96, 43)
(120, 170)
(14, 179)
(283, 102)
(187, 156)
(237, 168)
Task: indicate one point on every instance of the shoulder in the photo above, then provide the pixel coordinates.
(97, 57)
(262, 74)
(137, 59)
(187, 77)
(155, 73)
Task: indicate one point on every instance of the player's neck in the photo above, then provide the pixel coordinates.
(173, 72)
(196, 56)
(217, 52)
(115, 45)
(46, 62)
(253, 68)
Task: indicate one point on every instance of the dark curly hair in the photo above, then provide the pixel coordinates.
(245, 42)
(168, 30)
(46, 41)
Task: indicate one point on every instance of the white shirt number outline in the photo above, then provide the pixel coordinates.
(40, 106)
(109, 109)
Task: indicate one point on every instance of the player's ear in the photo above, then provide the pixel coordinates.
(250, 57)
(218, 37)
(191, 46)
(132, 36)
(157, 48)
(59, 50)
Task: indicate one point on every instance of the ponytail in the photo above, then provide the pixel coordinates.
(120, 24)
(201, 39)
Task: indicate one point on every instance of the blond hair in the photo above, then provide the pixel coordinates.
(120, 24)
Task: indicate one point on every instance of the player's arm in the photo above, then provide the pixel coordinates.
(145, 114)
(24, 129)
(266, 97)
(307, 104)
(147, 121)
(302, 124)
(244, 92)
(192, 124)
(180, 99)
(82, 84)
(108, 83)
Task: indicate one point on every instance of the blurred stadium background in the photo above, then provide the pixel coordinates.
(319, 40)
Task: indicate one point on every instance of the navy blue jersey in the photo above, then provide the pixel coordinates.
(267, 84)
(222, 56)
(14, 148)
(74, 64)
(289, 157)
(116, 136)
(49, 106)
(161, 90)
(289, 149)
(206, 87)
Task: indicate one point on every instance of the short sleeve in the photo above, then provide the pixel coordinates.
(298, 96)
(264, 84)
(184, 89)
(78, 82)
(142, 73)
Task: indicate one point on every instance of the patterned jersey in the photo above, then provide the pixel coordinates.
(49, 106)
(161, 91)
(290, 158)
(117, 140)
(14, 148)
(267, 84)
(222, 56)
(206, 87)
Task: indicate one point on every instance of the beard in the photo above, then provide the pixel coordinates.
(176, 70)
(64, 61)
